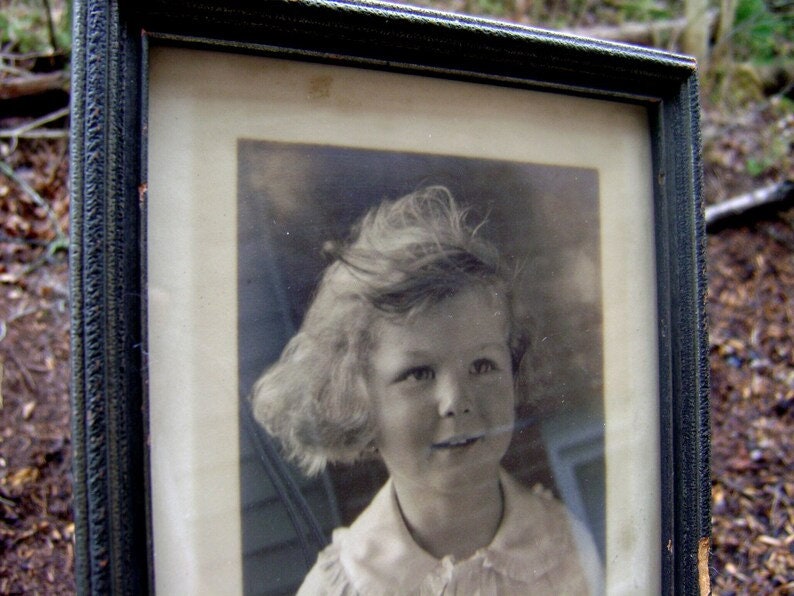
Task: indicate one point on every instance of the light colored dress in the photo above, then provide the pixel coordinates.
(538, 549)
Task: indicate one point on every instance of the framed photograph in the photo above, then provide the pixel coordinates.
(224, 157)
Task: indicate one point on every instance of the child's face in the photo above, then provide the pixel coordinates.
(442, 391)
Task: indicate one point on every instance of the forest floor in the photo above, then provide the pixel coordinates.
(36, 525)
(750, 306)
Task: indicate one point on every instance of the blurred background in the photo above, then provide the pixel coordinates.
(745, 49)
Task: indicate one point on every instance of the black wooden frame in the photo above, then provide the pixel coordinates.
(108, 183)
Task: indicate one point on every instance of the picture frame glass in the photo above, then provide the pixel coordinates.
(254, 163)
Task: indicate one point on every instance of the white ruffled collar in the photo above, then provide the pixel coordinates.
(377, 549)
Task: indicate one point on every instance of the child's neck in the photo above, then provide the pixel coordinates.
(454, 523)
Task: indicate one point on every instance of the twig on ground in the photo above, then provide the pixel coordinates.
(23, 371)
(60, 243)
(641, 33)
(50, 25)
(769, 196)
(46, 133)
(52, 247)
(33, 84)
(13, 70)
(28, 56)
(28, 130)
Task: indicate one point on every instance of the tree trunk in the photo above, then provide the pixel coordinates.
(722, 46)
(695, 40)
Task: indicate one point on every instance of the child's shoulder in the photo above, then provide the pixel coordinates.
(327, 576)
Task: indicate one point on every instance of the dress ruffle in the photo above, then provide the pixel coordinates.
(537, 550)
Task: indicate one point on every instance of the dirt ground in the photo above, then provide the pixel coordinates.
(36, 528)
(751, 310)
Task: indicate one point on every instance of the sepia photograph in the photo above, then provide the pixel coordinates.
(469, 289)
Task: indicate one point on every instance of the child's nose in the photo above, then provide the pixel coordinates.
(452, 398)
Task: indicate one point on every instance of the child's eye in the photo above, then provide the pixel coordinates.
(417, 373)
(482, 366)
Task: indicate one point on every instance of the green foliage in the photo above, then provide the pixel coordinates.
(25, 25)
(774, 155)
(775, 140)
(761, 32)
(497, 8)
(643, 10)
(756, 167)
(563, 14)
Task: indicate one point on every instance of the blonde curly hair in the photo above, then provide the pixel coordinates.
(403, 257)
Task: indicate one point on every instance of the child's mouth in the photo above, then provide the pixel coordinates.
(457, 442)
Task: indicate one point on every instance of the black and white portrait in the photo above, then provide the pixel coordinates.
(469, 281)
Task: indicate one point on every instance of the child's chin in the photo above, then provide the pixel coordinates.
(470, 476)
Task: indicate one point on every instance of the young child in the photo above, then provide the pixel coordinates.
(409, 351)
